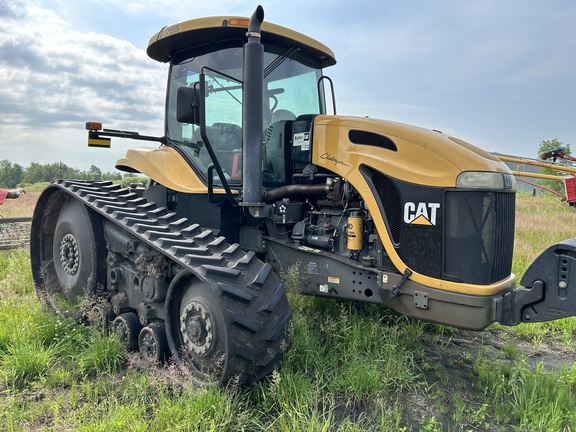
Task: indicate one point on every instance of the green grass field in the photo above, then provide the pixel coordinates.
(351, 367)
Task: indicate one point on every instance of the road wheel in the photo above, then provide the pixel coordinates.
(152, 343)
(127, 327)
(99, 316)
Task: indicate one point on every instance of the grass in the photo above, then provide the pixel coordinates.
(532, 399)
(541, 222)
(352, 367)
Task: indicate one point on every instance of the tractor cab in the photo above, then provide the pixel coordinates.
(290, 91)
(292, 94)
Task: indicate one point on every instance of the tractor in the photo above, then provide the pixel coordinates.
(253, 177)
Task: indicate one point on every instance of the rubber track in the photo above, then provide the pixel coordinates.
(186, 243)
(236, 273)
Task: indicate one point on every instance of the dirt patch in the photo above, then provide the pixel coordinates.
(463, 347)
(452, 400)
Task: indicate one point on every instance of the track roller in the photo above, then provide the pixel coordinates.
(127, 326)
(99, 317)
(152, 343)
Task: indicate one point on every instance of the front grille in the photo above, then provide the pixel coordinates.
(470, 241)
(478, 236)
(391, 202)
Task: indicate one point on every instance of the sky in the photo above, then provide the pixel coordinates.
(499, 74)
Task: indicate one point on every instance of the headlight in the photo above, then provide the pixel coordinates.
(486, 180)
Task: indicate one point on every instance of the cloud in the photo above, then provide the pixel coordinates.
(54, 77)
(178, 11)
(51, 72)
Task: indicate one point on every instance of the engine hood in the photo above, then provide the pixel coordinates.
(405, 152)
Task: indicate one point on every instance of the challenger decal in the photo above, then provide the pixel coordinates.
(332, 158)
(421, 213)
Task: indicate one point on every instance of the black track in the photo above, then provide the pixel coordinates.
(256, 309)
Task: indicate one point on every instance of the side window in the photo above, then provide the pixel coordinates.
(224, 101)
(289, 97)
(295, 94)
(223, 106)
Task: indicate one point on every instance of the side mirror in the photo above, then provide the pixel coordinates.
(188, 105)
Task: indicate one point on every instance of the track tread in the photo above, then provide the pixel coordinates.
(222, 272)
(245, 261)
(273, 300)
(235, 293)
(260, 279)
(245, 323)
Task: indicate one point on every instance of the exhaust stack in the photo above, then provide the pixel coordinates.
(252, 103)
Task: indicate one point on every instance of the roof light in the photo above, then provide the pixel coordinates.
(94, 126)
(238, 22)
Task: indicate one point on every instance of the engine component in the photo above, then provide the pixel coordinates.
(355, 231)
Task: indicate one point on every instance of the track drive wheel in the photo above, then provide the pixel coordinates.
(127, 327)
(152, 343)
(223, 334)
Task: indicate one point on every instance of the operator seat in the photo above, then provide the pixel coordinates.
(277, 148)
(226, 139)
(282, 114)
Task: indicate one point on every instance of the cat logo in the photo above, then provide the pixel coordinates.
(421, 213)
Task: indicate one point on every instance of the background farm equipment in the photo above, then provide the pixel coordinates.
(555, 160)
(14, 232)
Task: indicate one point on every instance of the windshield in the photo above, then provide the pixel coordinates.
(290, 89)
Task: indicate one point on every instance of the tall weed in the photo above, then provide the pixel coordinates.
(26, 361)
(533, 399)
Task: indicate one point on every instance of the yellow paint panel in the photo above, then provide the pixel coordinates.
(201, 31)
(423, 156)
(165, 166)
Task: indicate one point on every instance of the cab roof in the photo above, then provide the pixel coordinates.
(205, 31)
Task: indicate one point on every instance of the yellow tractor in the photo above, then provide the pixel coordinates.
(253, 177)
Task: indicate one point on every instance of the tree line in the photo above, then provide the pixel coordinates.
(13, 174)
(546, 146)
